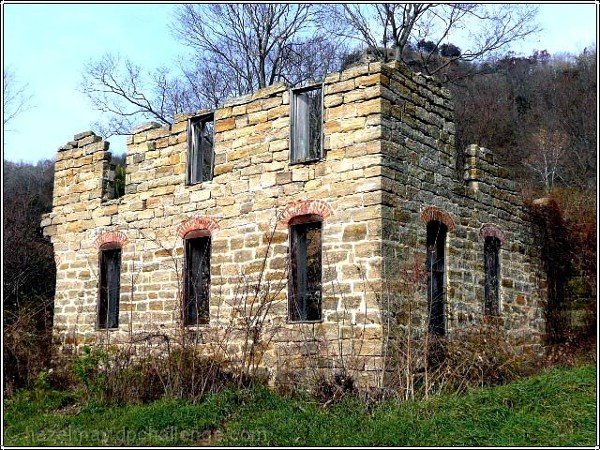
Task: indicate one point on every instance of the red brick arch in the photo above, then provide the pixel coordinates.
(198, 223)
(434, 213)
(111, 237)
(304, 208)
(492, 230)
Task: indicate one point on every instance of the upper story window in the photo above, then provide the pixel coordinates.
(114, 178)
(491, 261)
(196, 279)
(307, 124)
(110, 283)
(305, 274)
(200, 149)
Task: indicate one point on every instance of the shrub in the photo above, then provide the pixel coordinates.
(566, 237)
(331, 389)
(123, 375)
(480, 355)
(90, 370)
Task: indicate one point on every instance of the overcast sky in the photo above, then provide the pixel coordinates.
(47, 47)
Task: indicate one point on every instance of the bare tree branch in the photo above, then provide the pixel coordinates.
(16, 98)
(120, 88)
(256, 44)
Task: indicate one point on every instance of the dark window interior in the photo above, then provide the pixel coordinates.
(307, 123)
(305, 274)
(436, 242)
(110, 276)
(201, 149)
(197, 280)
(491, 255)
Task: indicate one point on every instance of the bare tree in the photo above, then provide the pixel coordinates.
(256, 45)
(27, 263)
(237, 49)
(16, 98)
(537, 114)
(573, 85)
(393, 29)
(547, 156)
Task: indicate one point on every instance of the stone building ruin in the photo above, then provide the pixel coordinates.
(313, 209)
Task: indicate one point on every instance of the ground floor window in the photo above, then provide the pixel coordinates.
(436, 246)
(196, 280)
(305, 273)
(110, 283)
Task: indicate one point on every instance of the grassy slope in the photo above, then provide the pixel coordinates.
(161, 423)
(555, 408)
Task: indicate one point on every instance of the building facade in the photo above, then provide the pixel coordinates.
(297, 223)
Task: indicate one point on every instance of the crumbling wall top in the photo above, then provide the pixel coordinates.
(81, 140)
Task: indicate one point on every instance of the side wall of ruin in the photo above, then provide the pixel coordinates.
(421, 182)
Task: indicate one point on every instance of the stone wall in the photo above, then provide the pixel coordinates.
(388, 154)
(253, 193)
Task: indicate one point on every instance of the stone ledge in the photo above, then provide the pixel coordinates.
(83, 134)
(145, 127)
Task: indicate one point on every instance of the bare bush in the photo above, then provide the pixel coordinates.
(16, 97)
(116, 375)
(27, 344)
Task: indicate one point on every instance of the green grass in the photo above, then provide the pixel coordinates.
(555, 408)
(57, 421)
